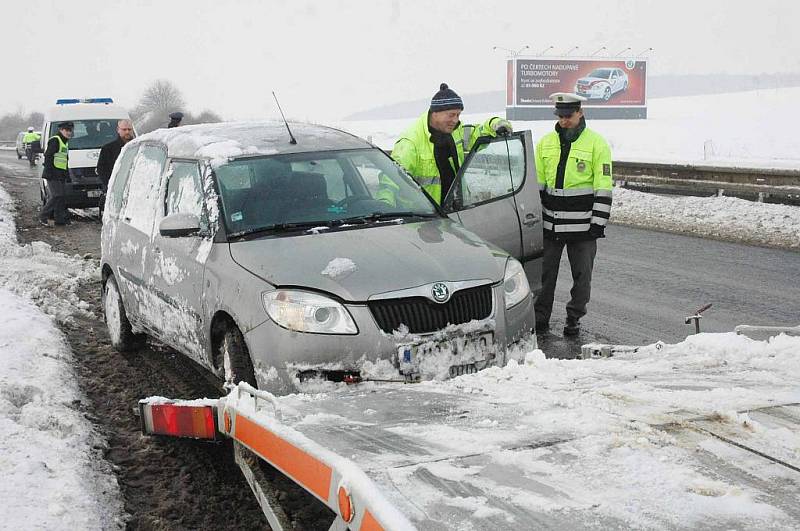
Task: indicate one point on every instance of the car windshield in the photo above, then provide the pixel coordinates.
(330, 188)
(603, 73)
(90, 134)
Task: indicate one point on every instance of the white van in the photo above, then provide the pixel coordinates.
(95, 122)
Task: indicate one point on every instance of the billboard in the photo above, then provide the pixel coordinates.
(614, 88)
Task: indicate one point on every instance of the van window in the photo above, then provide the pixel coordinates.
(145, 181)
(119, 180)
(184, 190)
(89, 134)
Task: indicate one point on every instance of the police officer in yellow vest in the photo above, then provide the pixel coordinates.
(56, 172)
(432, 150)
(573, 164)
(30, 137)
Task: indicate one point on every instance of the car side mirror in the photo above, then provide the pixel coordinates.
(179, 225)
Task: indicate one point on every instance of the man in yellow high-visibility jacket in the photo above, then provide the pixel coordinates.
(432, 149)
(573, 164)
(56, 173)
(30, 137)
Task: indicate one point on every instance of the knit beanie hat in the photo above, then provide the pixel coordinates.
(446, 99)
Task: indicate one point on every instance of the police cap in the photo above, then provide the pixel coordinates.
(566, 103)
(66, 125)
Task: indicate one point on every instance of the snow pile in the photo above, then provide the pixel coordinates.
(339, 268)
(726, 218)
(34, 272)
(614, 459)
(51, 461)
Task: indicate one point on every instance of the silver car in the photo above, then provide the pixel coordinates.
(272, 262)
(602, 83)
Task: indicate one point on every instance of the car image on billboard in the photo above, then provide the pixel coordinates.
(602, 83)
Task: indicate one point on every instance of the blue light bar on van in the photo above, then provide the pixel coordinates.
(67, 101)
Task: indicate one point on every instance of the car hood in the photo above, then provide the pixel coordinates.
(590, 79)
(355, 264)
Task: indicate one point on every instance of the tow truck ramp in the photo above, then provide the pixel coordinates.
(462, 456)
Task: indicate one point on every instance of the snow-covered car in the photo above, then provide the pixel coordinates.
(268, 261)
(602, 83)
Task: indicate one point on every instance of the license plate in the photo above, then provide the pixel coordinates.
(453, 356)
(93, 193)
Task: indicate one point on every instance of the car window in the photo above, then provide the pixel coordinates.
(494, 170)
(324, 187)
(119, 179)
(331, 170)
(145, 180)
(90, 134)
(184, 190)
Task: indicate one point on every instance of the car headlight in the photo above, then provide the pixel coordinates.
(515, 283)
(303, 311)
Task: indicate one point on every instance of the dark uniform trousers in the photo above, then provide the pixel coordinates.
(581, 261)
(56, 206)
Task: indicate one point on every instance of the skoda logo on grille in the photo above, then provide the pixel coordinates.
(440, 292)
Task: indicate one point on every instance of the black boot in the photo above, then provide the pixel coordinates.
(542, 327)
(572, 327)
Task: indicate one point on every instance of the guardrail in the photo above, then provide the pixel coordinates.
(8, 143)
(755, 184)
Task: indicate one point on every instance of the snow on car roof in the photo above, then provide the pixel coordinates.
(221, 142)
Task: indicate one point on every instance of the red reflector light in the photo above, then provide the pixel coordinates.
(183, 421)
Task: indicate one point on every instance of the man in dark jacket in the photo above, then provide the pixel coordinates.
(109, 154)
(175, 119)
(56, 173)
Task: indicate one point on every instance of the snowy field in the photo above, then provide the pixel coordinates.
(738, 129)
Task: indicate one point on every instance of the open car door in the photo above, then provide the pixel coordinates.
(496, 196)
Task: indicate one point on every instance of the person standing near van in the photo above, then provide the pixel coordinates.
(175, 119)
(573, 165)
(109, 154)
(28, 140)
(56, 173)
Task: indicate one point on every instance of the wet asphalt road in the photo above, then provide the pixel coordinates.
(646, 283)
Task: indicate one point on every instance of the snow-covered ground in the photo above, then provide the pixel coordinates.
(49, 455)
(54, 475)
(745, 129)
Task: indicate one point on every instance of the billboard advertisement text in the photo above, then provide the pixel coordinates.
(604, 82)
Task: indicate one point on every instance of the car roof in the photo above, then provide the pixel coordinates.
(224, 141)
(86, 111)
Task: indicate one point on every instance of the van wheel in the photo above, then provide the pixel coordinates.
(119, 328)
(236, 362)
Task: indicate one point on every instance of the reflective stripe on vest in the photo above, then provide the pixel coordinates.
(467, 136)
(61, 158)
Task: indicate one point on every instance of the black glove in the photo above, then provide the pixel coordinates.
(597, 231)
(502, 127)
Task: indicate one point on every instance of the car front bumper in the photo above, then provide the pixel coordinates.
(278, 354)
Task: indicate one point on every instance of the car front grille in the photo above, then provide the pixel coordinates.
(422, 315)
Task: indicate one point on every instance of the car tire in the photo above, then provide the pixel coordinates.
(607, 94)
(236, 363)
(119, 328)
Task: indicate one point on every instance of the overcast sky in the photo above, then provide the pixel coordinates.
(329, 58)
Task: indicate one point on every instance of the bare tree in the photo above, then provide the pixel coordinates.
(158, 100)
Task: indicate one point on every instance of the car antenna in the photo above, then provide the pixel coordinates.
(291, 136)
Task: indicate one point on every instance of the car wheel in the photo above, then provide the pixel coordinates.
(236, 362)
(607, 94)
(119, 328)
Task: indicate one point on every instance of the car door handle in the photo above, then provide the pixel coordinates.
(530, 219)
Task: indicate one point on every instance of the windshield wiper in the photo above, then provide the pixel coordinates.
(280, 227)
(380, 216)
